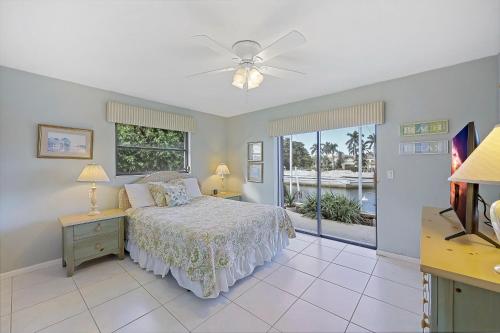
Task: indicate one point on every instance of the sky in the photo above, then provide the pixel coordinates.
(338, 136)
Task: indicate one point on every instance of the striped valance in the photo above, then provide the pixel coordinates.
(134, 115)
(356, 115)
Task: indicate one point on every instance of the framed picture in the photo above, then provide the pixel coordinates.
(64, 142)
(255, 172)
(256, 151)
(423, 148)
(424, 128)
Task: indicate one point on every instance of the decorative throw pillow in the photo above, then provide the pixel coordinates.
(176, 195)
(139, 195)
(157, 190)
(192, 187)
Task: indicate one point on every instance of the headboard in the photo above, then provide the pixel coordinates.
(160, 176)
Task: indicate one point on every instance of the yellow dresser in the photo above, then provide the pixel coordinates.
(461, 289)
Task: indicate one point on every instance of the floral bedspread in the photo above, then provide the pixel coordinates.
(207, 234)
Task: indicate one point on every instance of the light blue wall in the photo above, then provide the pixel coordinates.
(34, 192)
(498, 85)
(461, 93)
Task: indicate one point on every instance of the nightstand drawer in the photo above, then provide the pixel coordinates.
(95, 228)
(96, 246)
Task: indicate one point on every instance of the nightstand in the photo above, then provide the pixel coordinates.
(229, 195)
(86, 237)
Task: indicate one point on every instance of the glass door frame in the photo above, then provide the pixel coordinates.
(319, 233)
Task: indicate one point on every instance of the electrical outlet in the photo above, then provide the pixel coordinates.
(390, 174)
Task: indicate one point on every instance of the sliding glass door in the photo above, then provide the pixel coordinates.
(328, 180)
(300, 179)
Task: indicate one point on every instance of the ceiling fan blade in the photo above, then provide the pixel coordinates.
(214, 71)
(215, 46)
(290, 41)
(281, 73)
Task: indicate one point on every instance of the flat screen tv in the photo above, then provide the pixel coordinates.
(464, 196)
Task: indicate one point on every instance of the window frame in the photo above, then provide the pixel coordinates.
(186, 150)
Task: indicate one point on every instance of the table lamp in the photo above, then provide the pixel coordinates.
(221, 171)
(483, 167)
(93, 173)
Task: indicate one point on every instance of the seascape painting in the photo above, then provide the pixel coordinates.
(64, 142)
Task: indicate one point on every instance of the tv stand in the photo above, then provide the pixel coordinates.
(478, 233)
(458, 234)
(474, 229)
(461, 288)
(446, 210)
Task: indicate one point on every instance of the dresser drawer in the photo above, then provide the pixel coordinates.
(95, 228)
(96, 246)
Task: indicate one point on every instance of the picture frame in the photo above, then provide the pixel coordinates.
(424, 128)
(424, 148)
(255, 151)
(255, 172)
(64, 142)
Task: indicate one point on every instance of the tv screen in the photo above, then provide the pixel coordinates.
(462, 146)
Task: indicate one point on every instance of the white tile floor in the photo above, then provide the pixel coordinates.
(314, 286)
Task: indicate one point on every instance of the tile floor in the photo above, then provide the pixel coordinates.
(316, 285)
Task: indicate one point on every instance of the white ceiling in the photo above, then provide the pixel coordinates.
(144, 48)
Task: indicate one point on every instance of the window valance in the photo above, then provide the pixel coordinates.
(134, 115)
(356, 115)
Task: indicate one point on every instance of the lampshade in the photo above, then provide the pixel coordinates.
(483, 165)
(255, 78)
(93, 173)
(240, 77)
(222, 170)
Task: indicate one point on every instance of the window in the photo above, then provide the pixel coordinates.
(141, 150)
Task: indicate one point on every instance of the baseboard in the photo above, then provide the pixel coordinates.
(398, 257)
(31, 268)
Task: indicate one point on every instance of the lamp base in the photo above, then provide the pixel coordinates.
(94, 212)
(93, 201)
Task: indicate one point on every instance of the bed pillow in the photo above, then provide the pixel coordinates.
(157, 190)
(176, 195)
(139, 195)
(192, 188)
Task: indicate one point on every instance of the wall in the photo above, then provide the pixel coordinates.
(459, 93)
(34, 192)
(498, 86)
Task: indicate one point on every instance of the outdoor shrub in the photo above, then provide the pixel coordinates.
(335, 207)
(288, 197)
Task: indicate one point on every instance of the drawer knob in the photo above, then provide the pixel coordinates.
(99, 247)
(98, 228)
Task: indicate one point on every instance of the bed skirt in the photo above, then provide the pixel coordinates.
(225, 278)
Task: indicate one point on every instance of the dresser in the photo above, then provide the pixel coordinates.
(461, 289)
(86, 237)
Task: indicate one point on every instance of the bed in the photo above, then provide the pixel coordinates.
(208, 244)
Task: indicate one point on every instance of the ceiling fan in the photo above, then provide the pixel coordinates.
(250, 57)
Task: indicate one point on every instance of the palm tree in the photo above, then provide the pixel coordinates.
(370, 141)
(352, 143)
(314, 149)
(340, 160)
(330, 148)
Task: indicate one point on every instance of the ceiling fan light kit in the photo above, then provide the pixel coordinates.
(247, 78)
(250, 56)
